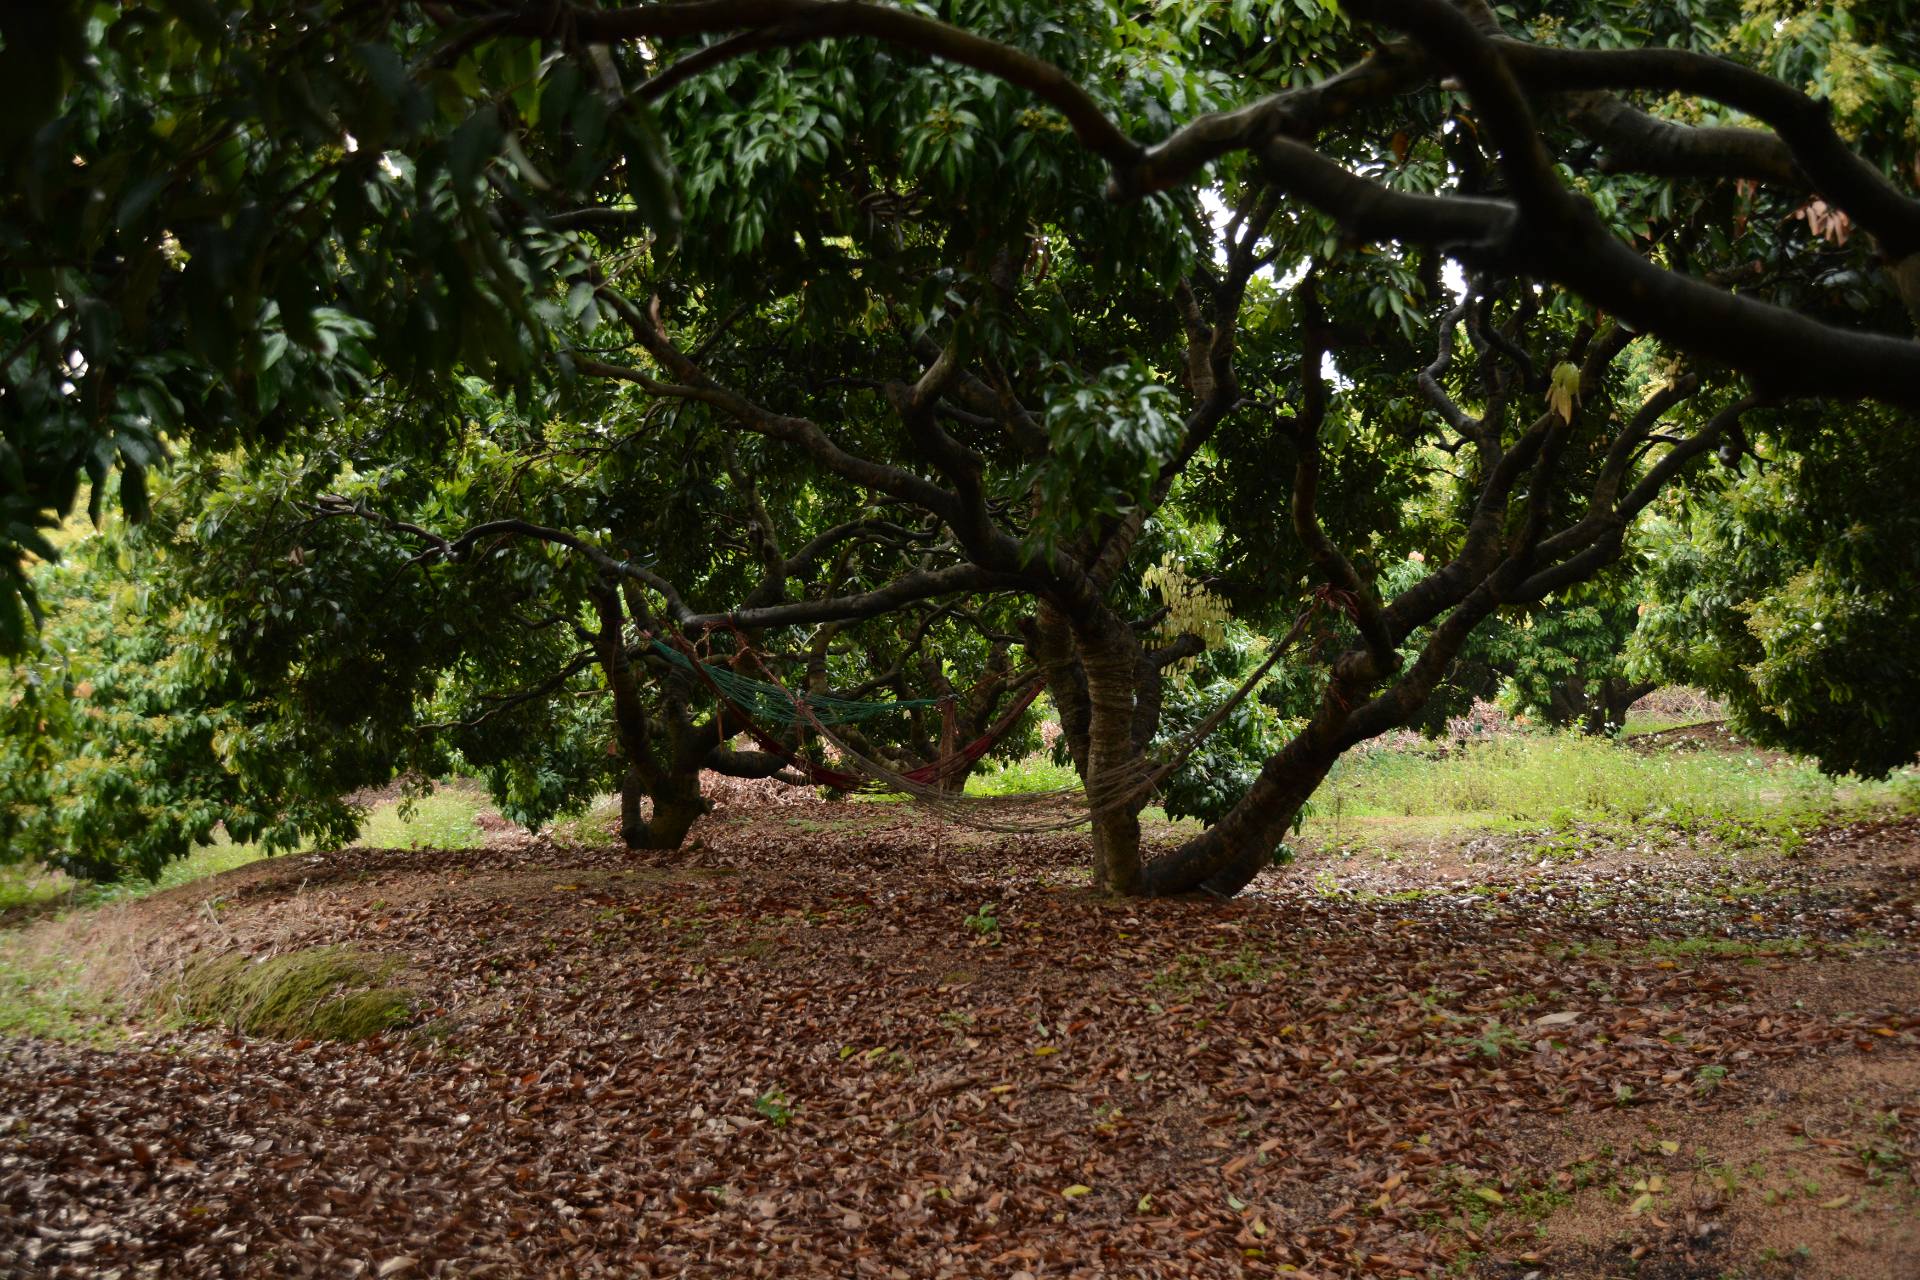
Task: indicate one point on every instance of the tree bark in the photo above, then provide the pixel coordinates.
(677, 805)
(1224, 859)
(1110, 661)
(633, 822)
(1093, 664)
(1617, 696)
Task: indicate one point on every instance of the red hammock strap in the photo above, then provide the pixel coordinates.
(945, 767)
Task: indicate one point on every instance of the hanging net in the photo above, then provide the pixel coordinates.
(769, 703)
(1032, 812)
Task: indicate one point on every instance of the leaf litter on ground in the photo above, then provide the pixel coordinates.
(781, 1052)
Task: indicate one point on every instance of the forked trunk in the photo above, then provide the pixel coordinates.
(673, 787)
(677, 805)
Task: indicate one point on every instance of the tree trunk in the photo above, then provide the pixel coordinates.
(676, 802)
(1110, 660)
(1566, 702)
(674, 787)
(1092, 665)
(1225, 858)
(1617, 698)
(633, 823)
(677, 805)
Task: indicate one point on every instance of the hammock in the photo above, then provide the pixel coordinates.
(1035, 812)
(770, 702)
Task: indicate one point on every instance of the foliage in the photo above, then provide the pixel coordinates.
(1024, 776)
(984, 923)
(1792, 593)
(504, 345)
(228, 224)
(1108, 436)
(1224, 764)
(1191, 609)
(1560, 661)
(116, 756)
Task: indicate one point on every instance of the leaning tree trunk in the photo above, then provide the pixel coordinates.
(1224, 859)
(1615, 698)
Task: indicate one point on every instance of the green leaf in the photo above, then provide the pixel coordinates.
(472, 146)
(1564, 392)
(650, 175)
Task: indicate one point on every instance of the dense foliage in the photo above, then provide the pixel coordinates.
(1791, 593)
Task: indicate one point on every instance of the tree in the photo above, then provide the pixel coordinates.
(1536, 505)
(1790, 591)
(514, 641)
(1563, 662)
(122, 746)
(1467, 301)
(222, 224)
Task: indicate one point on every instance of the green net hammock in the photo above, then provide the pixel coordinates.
(771, 704)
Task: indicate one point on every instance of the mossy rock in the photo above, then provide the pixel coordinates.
(318, 993)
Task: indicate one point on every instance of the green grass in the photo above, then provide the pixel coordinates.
(35, 886)
(319, 993)
(30, 886)
(45, 994)
(1566, 779)
(1023, 777)
(600, 824)
(443, 820)
(447, 819)
(51, 973)
(1641, 723)
(1554, 780)
(51, 982)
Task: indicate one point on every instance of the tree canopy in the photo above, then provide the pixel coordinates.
(526, 356)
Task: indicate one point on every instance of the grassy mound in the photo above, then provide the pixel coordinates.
(318, 993)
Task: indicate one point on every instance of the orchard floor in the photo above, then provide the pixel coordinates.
(834, 1040)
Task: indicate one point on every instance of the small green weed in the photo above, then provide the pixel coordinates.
(1494, 1040)
(775, 1106)
(985, 923)
(1724, 948)
(1191, 971)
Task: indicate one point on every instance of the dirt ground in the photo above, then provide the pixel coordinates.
(838, 1040)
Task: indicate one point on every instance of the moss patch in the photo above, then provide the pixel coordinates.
(320, 993)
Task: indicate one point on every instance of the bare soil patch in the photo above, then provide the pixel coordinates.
(1814, 1178)
(1705, 735)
